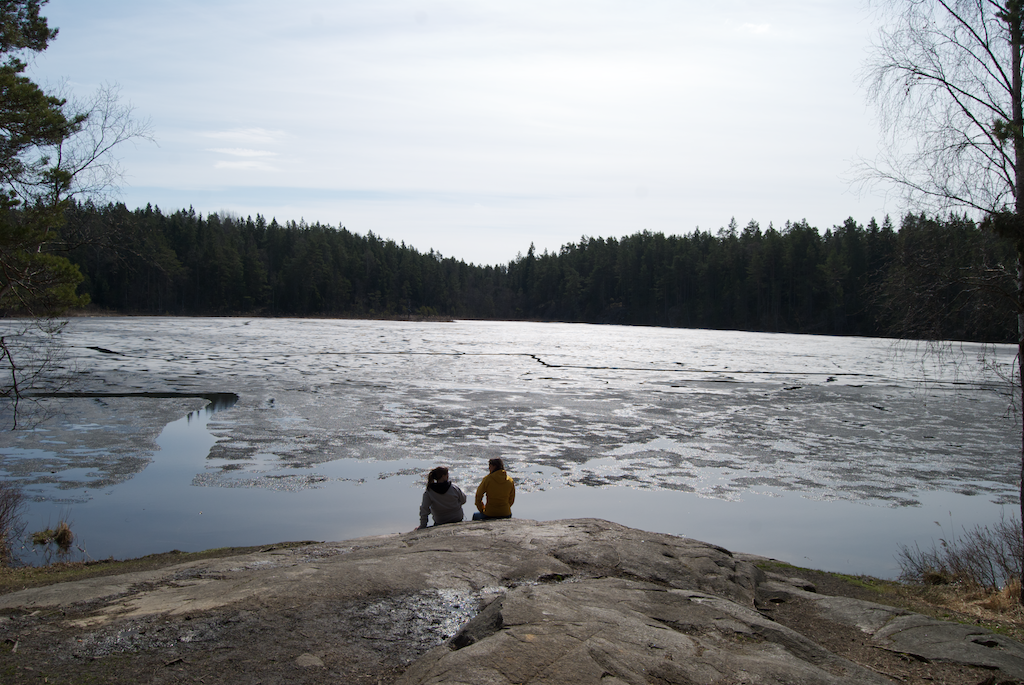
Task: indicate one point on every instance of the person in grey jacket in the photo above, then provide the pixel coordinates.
(442, 499)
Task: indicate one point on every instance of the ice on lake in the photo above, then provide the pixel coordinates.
(823, 451)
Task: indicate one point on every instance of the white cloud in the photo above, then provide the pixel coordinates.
(242, 152)
(247, 135)
(245, 166)
(757, 29)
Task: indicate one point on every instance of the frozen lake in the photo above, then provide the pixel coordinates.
(825, 452)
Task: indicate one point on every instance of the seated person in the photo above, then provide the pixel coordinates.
(442, 499)
(499, 491)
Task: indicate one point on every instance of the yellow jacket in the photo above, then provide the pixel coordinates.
(500, 492)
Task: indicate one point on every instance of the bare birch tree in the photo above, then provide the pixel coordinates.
(52, 148)
(946, 78)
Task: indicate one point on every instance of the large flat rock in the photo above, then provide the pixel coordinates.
(513, 601)
(623, 631)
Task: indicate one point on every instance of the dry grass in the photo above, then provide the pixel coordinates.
(61, 537)
(997, 610)
(982, 557)
(973, 577)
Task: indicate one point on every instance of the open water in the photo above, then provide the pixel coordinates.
(180, 433)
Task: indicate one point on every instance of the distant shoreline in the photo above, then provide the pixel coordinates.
(100, 313)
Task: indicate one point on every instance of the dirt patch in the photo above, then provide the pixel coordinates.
(367, 641)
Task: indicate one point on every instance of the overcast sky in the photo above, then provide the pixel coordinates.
(476, 127)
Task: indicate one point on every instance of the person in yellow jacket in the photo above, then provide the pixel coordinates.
(499, 491)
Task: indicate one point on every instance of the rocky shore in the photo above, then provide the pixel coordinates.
(514, 601)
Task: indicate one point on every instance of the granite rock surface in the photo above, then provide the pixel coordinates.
(511, 601)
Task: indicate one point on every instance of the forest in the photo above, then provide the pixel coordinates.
(933, 278)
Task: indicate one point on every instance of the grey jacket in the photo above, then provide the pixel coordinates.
(444, 501)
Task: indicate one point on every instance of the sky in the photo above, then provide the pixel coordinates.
(477, 127)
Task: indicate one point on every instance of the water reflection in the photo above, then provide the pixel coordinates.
(218, 401)
(173, 505)
(819, 450)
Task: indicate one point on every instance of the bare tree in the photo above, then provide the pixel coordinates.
(946, 78)
(35, 365)
(36, 278)
(80, 164)
(89, 157)
(90, 167)
(53, 147)
(12, 527)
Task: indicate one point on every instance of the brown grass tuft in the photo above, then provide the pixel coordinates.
(61, 537)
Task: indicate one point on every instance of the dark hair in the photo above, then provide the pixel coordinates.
(496, 464)
(437, 474)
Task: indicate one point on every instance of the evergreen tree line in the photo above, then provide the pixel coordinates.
(931, 278)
